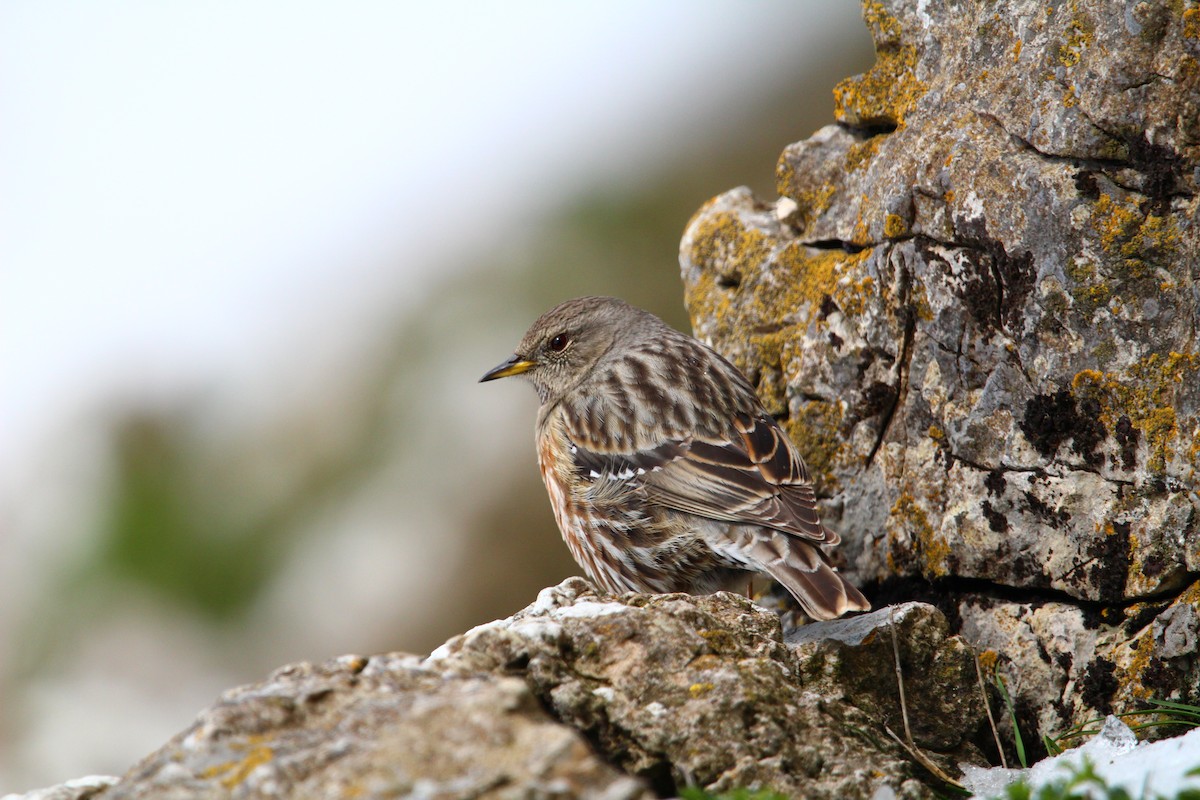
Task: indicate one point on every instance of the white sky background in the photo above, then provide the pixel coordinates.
(186, 184)
(228, 196)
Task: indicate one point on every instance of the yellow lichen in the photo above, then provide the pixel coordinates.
(726, 247)
(1089, 291)
(1130, 677)
(705, 662)
(234, 772)
(889, 90)
(816, 431)
(1134, 246)
(933, 553)
(1191, 23)
(988, 661)
(839, 276)
(782, 288)
(810, 203)
(785, 176)
(1145, 394)
(862, 152)
(719, 641)
(1141, 240)
(894, 226)
(700, 689)
(1079, 37)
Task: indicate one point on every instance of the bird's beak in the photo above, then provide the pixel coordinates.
(514, 366)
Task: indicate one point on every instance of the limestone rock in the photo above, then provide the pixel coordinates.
(691, 690)
(78, 789)
(853, 659)
(586, 695)
(975, 310)
(386, 726)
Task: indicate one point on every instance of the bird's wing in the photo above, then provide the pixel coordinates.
(754, 476)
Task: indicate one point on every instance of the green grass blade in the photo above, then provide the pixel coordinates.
(1012, 715)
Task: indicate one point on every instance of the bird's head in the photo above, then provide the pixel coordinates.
(565, 344)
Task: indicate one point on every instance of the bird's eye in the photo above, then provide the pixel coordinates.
(559, 342)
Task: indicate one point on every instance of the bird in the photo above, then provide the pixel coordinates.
(664, 470)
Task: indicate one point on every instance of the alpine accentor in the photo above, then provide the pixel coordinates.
(665, 472)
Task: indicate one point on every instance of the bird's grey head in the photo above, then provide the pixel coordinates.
(566, 343)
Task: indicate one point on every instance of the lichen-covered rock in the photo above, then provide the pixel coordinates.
(380, 727)
(1067, 662)
(586, 695)
(855, 659)
(694, 690)
(975, 308)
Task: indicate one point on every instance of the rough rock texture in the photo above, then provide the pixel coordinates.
(853, 659)
(379, 727)
(686, 690)
(582, 695)
(976, 308)
(77, 789)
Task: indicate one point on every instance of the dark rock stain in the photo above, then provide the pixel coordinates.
(1054, 518)
(997, 521)
(1098, 684)
(1127, 438)
(1111, 559)
(1051, 419)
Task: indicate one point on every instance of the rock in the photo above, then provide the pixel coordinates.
(584, 695)
(78, 789)
(379, 727)
(854, 659)
(686, 690)
(974, 309)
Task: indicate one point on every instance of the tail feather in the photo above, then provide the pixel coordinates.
(803, 571)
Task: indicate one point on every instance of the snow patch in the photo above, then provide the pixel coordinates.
(542, 630)
(586, 609)
(1149, 769)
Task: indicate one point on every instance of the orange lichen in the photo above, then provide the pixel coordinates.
(932, 552)
(1080, 33)
(1191, 23)
(890, 89)
(1145, 394)
(234, 772)
(894, 226)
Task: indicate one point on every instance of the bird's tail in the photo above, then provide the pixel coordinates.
(804, 572)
